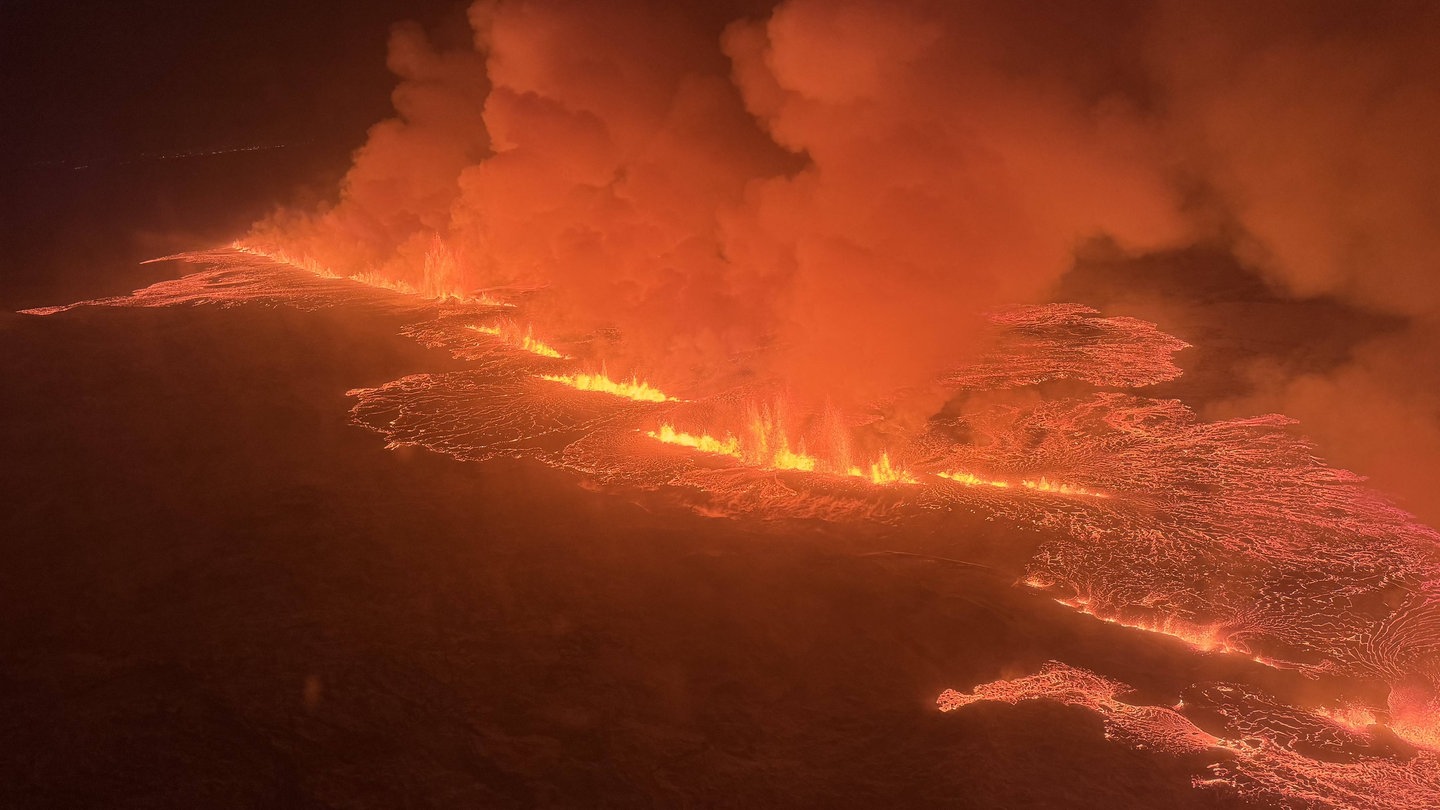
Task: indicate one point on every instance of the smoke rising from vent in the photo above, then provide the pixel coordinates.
(830, 195)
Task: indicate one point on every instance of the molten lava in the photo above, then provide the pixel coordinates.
(729, 446)
(1231, 536)
(881, 471)
(1041, 484)
(1264, 751)
(511, 334)
(439, 272)
(972, 480)
(635, 388)
(771, 450)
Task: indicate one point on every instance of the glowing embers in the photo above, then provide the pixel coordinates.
(511, 334)
(635, 388)
(1041, 484)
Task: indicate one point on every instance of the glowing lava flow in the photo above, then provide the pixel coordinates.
(972, 480)
(729, 446)
(881, 471)
(438, 272)
(1041, 484)
(1070, 341)
(1263, 750)
(1055, 488)
(512, 335)
(774, 453)
(1231, 536)
(1205, 638)
(635, 389)
(762, 452)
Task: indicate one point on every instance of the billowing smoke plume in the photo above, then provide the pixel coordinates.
(828, 193)
(1315, 126)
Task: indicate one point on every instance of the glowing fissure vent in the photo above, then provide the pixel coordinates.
(1056, 488)
(770, 447)
(437, 286)
(972, 480)
(511, 334)
(774, 453)
(729, 446)
(1205, 638)
(1041, 484)
(635, 388)
(881, 471)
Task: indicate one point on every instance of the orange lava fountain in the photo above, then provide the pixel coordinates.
(770, 449)
(882, 471)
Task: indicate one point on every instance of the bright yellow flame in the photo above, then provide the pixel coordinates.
(527, 341)
(635, 389)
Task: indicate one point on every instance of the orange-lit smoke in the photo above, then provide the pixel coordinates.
(1312, 128)
(828, 194)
